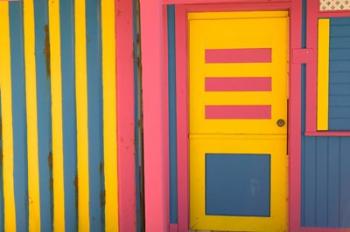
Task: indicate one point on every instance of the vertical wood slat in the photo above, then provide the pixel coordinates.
(323, 74)
(109, 114)
(32, 121)
(56, 112)
(82, 117)
(7, 126)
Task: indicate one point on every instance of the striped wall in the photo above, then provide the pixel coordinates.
(58, 116)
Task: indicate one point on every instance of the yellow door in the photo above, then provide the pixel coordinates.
(238, 120)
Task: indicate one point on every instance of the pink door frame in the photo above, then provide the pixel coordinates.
(182, 99)
(155, 105)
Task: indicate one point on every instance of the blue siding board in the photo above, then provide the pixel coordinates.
(172, 114)
(310, 177)
(345, 180)
(94, 63)
(69, 113)
(340, 21)
(339, 89)
(340, 112)
(321, 180)
(339, 53)
(333, 182)
(339, 77)
(19, 115)
(338, 124)
(340, 65)
(44, 114)
(340, 100)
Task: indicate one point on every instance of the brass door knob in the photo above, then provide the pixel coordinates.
(281, 122)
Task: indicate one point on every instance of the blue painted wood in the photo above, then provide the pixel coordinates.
(339, 77)
(339, 89)
(339, 100)
(69, 113)
(321, 187)
(138, 118)
(19, 115)
(340, 112)
(344, 184)
(333, 206)
(94, 70)
(309, 181)
(340, 42)
(172, 114)
(341, 21)
(237, 184)
(339, 53)
(340, 30)
(44, 113)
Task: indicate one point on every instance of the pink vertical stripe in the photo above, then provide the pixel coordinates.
(238, 112)
(238, 84)
(182, 111)
(125, 120)
(247, 55)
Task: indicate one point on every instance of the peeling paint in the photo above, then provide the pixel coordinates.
(47, 51)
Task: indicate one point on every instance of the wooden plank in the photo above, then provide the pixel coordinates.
(7, 126)
(82, 117)
(109, 114)
(32, 120)
(56, 115)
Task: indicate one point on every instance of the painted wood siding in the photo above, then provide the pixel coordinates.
(58, 117)
(325, 179)
(339, 74)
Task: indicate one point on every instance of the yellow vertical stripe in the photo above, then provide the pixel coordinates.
(82, 116)
(109, 114)
(323, 74)
(56, 110)
(32, 121)
(6, 104)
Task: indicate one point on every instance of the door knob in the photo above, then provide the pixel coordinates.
(281, 122)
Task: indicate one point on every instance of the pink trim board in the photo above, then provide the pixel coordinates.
(125, 121)
(154, 95)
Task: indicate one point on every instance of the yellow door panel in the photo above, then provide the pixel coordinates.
(238, 94)
(275, 146)
(237, 33)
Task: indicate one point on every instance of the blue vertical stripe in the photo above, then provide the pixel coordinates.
(344, 196)
(94, 70)
(19, 115)
(138, 120)
(44, 112)
(172, 114)
(69, 113)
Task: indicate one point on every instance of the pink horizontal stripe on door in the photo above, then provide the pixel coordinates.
(238, 112)
(246, 55)
(238, 84)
